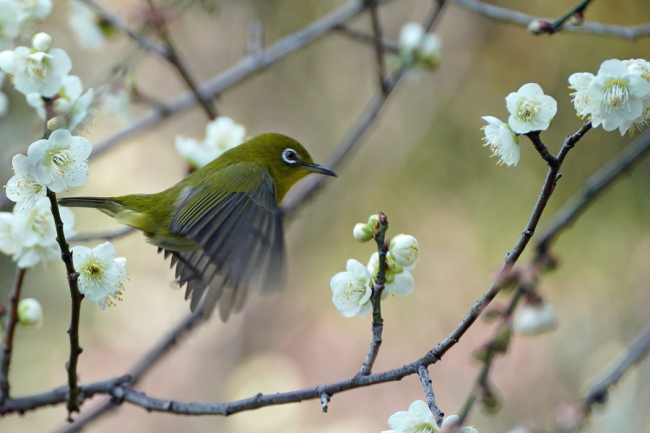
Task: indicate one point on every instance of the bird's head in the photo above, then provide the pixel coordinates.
(286, 160)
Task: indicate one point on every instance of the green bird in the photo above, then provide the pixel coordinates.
(221, 225)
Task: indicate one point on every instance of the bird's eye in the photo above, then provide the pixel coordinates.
(289, 156)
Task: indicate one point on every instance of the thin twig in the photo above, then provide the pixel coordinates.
(633, 153)
(76, 298)
(428, 391)
(493, 347)
(375, 298)
(545, 194)
(578, 8)
(176, 59)
(635, 352)
(541, 148)
(10, 327)
(379, 46)
(116, 22)
(508, 15)
(359, 35)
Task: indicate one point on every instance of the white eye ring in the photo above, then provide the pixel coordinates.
(289, 156)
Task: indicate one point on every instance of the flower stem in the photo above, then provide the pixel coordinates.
(76, 298)
(577, 8)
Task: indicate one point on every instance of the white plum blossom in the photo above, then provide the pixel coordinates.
(405, 251)
(641, 68)
(503, 142)
(23, 188)
(418, 47)
(8, 23)
(86, 25)
(31, 13)
(399, 280)
(33, 233)
(535, 319)
(9, 235)
(580, 82)
(61, 160)
(530, 109)
(34, 70)
(220, 135)
(617, 95)
(351, 290)
(410, 38)
(419, 419)
(223, 133)
(30, 313)
(195, 153)
(74, 109)
(101, 273)
(451, 424)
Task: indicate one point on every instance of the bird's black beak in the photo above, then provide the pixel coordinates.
(319, 169)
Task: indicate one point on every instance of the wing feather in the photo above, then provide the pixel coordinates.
(239, 235)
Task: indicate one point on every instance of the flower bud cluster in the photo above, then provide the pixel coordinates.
(352, 289)
(40, 73)
(220, 135)
(419, 48)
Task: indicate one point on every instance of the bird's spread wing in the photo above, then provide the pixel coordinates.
(240, 239)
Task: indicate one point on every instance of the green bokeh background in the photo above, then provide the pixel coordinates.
(422, 163)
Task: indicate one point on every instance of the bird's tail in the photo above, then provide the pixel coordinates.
(108, 205)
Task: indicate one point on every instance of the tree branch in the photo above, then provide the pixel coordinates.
(379, 46)
(8, 337)
(59, 395)
(635, 352)
(428, 391)
(514, 17)
(76, 298)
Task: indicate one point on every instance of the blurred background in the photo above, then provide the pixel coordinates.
(422, 163)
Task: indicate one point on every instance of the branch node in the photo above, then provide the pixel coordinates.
(325, 400)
